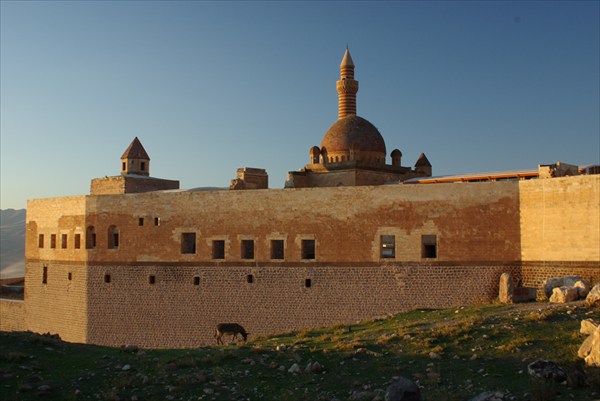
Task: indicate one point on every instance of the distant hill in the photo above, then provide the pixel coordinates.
(12, 243)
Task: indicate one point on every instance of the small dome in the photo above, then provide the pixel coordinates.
(353, 132)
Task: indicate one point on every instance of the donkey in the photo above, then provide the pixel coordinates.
(230, 328)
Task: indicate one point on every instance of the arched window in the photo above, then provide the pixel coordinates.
(113, 237)
(90, 237)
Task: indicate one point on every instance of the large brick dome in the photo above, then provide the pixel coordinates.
(353, 132)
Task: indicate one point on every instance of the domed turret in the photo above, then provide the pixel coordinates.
(354, 138)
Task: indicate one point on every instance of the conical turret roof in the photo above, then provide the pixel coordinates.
(135, 151)
(422, 161)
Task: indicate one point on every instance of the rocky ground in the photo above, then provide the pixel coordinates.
(450, 354)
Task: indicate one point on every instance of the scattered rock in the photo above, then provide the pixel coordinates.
(583, 288)
(208, 391)
(361, 396)
(294, 368)
(126, 367)
(564, 294)
(316, 368)
(131, 348)
(573, 283)
(434, 355)
(593, 298)
(281, 347)
(44, 388)
(403, 389)
(489, 396)
(588, 326)
(593, 358)
(546, 370)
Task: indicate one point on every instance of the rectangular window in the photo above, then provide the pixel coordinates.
(40, 240)
(63, 241)
(70, 276)
(277, 251)
(157, 221)
(247, 249)
(53, 241)
(45, 275)
(308, 249)
(141, 221)
(143, 164)
(188, 242)
(115, 240)
(308, 283)
(218, 249)
(249, 278)
(124, 166)
(388, 246)
(77, 243)
(107, 278)
(196, 280)
(429, 246)
(151, 279)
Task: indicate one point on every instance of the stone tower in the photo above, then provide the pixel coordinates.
(346, 87)
(135, 160)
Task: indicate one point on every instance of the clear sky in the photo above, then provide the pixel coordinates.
(212, 86)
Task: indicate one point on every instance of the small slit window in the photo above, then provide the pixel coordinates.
(107, 278)
(152, 279)
(277, 251)
(308, 249)
(77, 241)
(141, 221)
(308, 283)
(70, 276)
(143, 164)
(45, 275)
(218, 249)
(157, 221)
(40, 240)
(388, 246)
(248, 249)
(188, 243)
(196, 280)
(53, 241)
(63, 241)
(429, 246)
(250, 278)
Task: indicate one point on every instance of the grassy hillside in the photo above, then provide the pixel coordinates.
(453, 354)
(12, 243)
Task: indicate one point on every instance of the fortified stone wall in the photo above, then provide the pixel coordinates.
(560, 219)
(56, 302)
(277, 298)
(478, 222)
(12, 315)
(146, 292)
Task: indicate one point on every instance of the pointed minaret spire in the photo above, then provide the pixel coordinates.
(346, 87)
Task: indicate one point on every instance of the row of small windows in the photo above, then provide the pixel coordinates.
(247, 248)
(152, 278)
(277, 251)
(90, 239)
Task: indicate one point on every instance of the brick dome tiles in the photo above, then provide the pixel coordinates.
(353, 132)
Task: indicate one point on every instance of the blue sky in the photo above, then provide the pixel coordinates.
(212, 86)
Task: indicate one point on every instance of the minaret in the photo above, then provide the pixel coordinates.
(346, 87)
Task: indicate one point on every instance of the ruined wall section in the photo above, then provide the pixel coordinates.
(560, 220)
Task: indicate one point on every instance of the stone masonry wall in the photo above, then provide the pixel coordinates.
(12, 315)
(560, 219)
